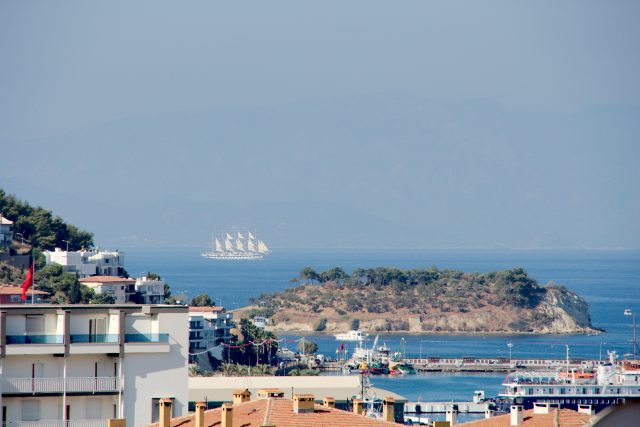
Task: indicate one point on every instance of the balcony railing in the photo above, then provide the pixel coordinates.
(94, 338)
(56, 385)
(57, 423)
(35, 339)
(150, 338)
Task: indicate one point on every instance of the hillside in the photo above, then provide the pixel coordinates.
(434, 301)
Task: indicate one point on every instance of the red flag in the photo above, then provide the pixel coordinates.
(341, 346)
(28, 282)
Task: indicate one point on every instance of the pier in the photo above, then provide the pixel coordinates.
(479, 364)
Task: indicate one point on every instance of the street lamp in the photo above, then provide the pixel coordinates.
(628, 312)
(510, 345)
(67, 242)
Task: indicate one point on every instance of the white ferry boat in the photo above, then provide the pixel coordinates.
(611, 383)
(238, 245)
(352, 336)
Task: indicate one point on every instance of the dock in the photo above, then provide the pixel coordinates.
(481, 364)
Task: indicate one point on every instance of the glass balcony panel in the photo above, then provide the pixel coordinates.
(150, 338)
(35, 339)
(91, 338)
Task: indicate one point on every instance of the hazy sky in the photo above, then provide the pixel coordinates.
(464, 124)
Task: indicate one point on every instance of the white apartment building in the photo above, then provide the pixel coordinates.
(152, 291)
(119, 287)
(209, 327)
(79, 365)
(88, 263)
(6, 231)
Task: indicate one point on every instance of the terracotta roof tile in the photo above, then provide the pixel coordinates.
(279, 412)
(568, 418)
(206, 309)
(17, 290)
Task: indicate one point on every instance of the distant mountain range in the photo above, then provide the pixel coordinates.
(367, 171)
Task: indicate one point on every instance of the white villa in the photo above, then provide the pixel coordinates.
(119, 287)
(209, 327)
(79, 365)
(88, 263)
(152, 290)
(6, 231)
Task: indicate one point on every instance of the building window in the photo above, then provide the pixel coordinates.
(30, 410)
(155, 408)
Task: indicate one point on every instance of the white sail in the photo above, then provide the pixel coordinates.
(252, 245)
(240, 236)
(262, 248)
(229, 237)
(251, 236)
(239, 245)
(218, 246)
(228, 245)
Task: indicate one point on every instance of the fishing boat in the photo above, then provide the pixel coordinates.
(236, 245)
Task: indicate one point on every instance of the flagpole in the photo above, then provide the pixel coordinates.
(33, 282)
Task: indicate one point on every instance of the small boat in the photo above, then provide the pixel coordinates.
(351, 336)
(401, 368)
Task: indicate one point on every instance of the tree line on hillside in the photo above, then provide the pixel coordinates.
(40, 228)
(383, 289)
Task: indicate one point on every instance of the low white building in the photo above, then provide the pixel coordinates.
(209, 328)
(122, 289)
(152, 291)
(79, 365)
(6, 231)
(88, 263)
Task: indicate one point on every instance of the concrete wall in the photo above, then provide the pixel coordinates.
(148, 376)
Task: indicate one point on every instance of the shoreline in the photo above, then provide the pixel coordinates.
(455, 333)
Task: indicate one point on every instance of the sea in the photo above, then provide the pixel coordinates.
(609, 280)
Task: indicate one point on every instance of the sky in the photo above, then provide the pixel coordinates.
(442, 124)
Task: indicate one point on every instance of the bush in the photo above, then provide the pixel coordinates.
(320, 325)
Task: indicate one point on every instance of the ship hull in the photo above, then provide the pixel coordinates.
(233, 257)
(566, 402)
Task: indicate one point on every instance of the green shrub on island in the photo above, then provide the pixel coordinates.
(40, 228)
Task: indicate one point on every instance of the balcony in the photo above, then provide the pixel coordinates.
(56, 385)
(147, 343)
(35, 339)
(57, 423)
(94, 338)
(146, 338)
(34, 344)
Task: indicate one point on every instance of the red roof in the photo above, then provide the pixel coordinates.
(566, 418)
(207, 309)
(279, 412)
(17, 290)
(106, 279)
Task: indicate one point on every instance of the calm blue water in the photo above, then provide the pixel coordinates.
(608, 280)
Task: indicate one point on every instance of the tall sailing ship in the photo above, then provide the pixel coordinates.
(237, 245)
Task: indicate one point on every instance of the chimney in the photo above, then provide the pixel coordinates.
(200, 406)
(541, 408)
(516, 415)
(357, 406)
(165, 412)
(227, 415)
(452, 415)
(241, 396)
(387, 409)
(586, 409)
(303, 403)
(329, 402)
